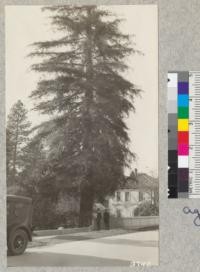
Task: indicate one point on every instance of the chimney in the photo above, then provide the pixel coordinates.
(136, 172)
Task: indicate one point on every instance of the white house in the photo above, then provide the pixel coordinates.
(137, 188)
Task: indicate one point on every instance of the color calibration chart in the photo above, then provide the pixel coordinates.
(184, 134)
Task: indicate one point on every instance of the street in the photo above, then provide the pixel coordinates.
(137, 248)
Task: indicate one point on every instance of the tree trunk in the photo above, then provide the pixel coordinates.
(87, 192)
(86, 206)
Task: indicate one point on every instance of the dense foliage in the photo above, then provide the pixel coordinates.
(17, 132)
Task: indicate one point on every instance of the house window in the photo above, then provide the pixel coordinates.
(118, 196)
(127, 196)
(141, 196)
(118, 213)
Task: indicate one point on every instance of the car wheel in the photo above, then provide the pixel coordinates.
(17, 242)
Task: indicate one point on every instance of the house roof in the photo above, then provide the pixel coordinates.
(140, 181)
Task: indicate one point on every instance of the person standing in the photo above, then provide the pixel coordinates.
(98, 219)
(106, 218)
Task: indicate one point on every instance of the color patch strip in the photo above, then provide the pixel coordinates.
(183, 134)
(178, 134)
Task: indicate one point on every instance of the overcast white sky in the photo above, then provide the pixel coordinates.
(27, 24)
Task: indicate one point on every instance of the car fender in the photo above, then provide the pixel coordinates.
(13, 228)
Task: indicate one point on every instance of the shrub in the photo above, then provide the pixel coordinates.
(45, 216)
(146, 208)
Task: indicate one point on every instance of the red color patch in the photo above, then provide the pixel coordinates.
(183, 137)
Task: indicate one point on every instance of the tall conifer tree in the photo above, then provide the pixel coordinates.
(84, 91)
(17, 132)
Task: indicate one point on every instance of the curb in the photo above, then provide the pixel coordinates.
(59, 231)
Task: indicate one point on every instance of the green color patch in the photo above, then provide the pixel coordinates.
(183, 112)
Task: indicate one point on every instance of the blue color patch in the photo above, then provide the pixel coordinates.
(183, 100)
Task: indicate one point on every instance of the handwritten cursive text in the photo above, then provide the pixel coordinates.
(196, 220)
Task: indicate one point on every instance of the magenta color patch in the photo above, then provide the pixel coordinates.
(183, 149)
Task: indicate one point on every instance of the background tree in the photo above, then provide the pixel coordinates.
(36, 181)
(88, 98)
(17, 132)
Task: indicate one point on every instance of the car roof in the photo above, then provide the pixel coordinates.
(19, 198)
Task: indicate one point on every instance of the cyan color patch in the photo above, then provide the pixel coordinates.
(183, 100)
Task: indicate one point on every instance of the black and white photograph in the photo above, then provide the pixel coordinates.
(82, 135)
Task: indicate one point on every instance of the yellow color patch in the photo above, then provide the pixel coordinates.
(183, 125)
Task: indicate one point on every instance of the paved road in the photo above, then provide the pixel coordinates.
(118, 250)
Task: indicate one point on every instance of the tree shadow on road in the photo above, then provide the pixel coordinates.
(58, 259)
(138, 243)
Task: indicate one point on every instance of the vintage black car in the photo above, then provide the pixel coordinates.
(19, 223)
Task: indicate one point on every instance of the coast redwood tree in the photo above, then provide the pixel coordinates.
(84, 91)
